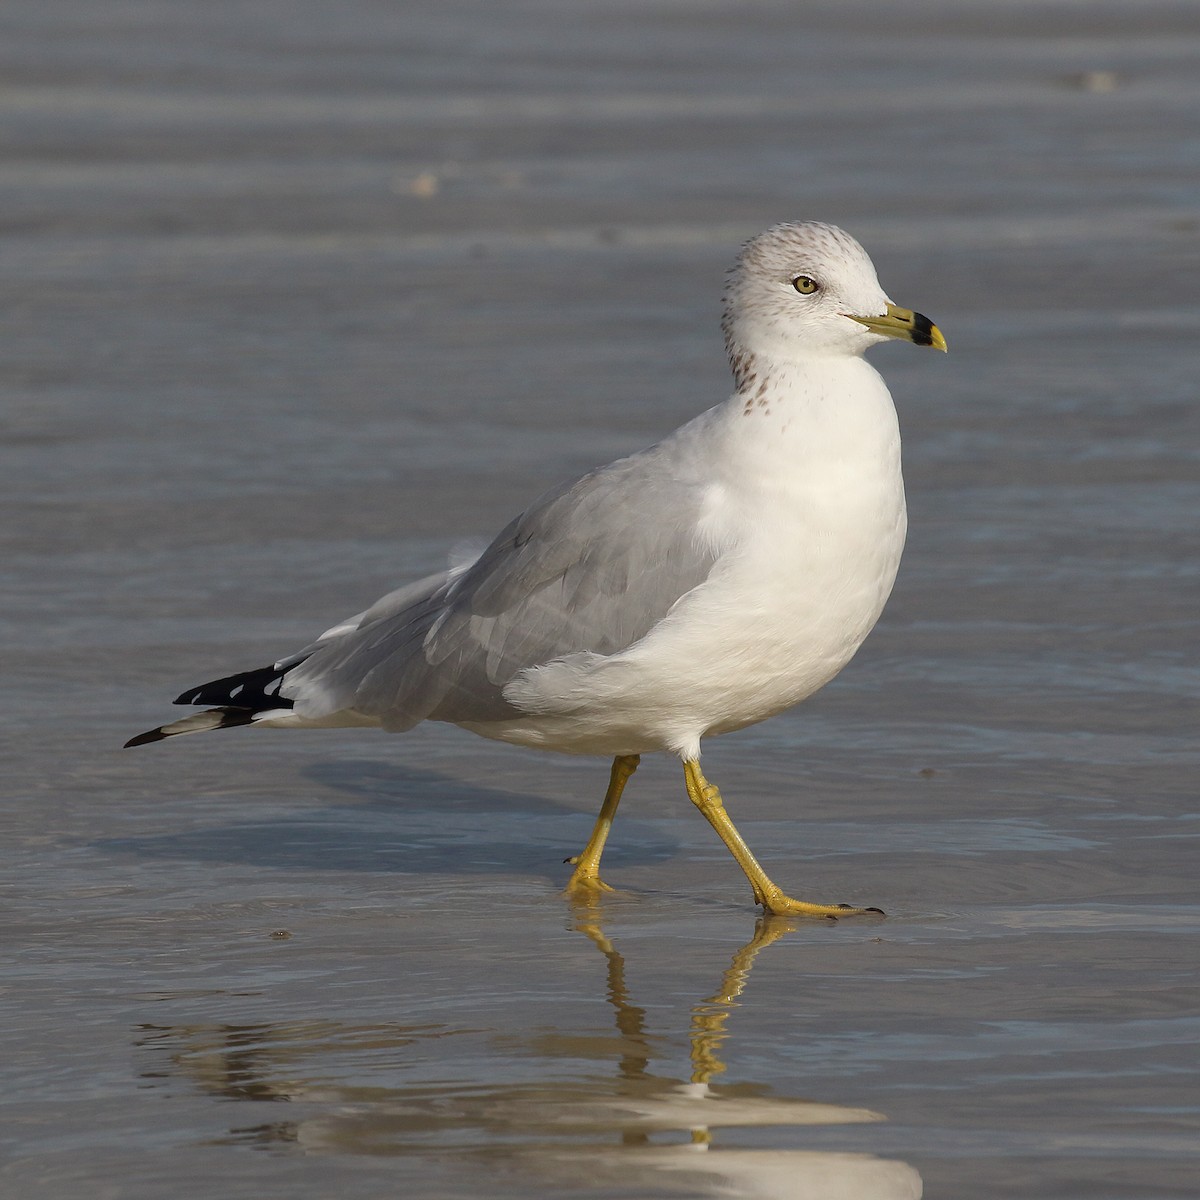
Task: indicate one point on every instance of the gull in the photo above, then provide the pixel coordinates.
(711, 581)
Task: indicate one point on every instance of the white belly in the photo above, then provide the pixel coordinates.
(773, 624)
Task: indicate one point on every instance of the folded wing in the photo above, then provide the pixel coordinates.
(590, 567)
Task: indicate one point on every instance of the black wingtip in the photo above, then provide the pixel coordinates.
(144, 739)
(256, 689)
(203, 722)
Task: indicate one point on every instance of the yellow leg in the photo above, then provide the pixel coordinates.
(586, 881)
(707, 799)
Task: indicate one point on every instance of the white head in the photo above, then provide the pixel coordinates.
(802, 290)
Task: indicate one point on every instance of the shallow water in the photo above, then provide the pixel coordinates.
(297, 298)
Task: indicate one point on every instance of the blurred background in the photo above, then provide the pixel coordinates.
(295, 298)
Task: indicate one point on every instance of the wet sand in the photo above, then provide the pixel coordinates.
(295, 299)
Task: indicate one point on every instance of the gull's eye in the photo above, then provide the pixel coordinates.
(805, 285)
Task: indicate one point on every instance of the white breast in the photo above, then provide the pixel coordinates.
(810, 501)
(805, 506)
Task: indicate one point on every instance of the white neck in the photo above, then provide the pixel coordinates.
(816, 413)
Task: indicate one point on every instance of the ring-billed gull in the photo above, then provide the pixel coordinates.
(699, 586)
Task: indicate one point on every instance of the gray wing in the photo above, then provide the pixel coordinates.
(591, 567)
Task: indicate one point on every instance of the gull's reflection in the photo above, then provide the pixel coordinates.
(695, 1105)
(636, 1129)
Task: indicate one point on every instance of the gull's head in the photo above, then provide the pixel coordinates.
(808, 290)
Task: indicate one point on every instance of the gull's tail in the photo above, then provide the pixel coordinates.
(241, 699)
